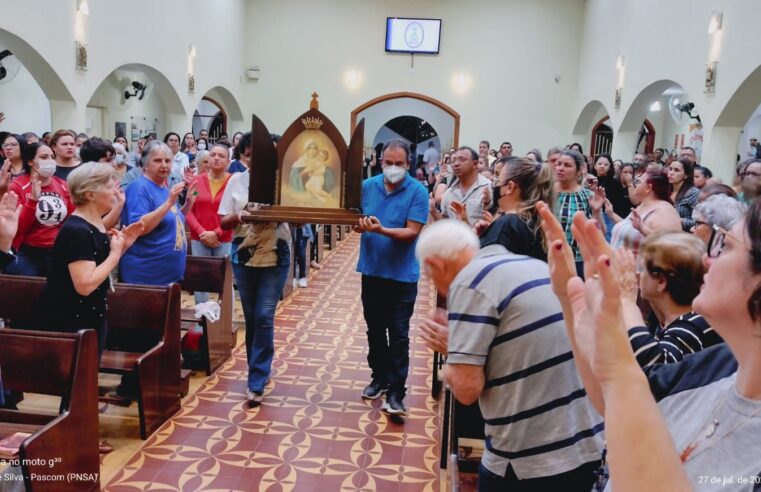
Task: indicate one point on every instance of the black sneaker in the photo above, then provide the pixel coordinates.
(394, 404)
(374, 390)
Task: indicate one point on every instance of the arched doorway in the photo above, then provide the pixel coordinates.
(377, 112)
(32, 95)
(210, 116)
(661, 116)
(136, 100)
(593, 126)
(416, 132)
(217, 112)
(602, 137)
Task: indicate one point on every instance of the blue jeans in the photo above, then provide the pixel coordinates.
(300, 253)
(200, 249)
(31, 261)
(388, 306)
(260, 289)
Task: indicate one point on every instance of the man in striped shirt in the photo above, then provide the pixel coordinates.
(508, 349)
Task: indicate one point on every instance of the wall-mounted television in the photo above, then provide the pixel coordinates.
(405, 35)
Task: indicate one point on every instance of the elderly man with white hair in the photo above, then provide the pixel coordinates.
(508, 348)
(716, 211)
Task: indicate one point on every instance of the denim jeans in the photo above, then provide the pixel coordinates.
(300, 254)
(580, 479)
(31, 261)
(388, 306)
(200, 249)
(260, 289)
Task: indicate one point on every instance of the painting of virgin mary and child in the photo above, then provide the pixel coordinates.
(312, 175)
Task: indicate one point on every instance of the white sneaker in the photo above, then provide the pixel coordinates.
(303, 282)
(295, 283)
(253, 397)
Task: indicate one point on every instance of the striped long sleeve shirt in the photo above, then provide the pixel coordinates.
(687, 334)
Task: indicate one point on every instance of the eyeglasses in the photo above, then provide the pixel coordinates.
(717, 240)
(10, 145)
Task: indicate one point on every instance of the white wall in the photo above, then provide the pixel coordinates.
(25, 106)
(508, 49)
(157, 34)
(655, 49)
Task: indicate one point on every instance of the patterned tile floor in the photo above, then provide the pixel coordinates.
(313, 431)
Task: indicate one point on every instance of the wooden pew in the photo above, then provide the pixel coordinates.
(57, 364)
(143, 339)
(211, 274)
(144, 343)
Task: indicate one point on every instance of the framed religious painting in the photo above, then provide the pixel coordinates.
(312, 176)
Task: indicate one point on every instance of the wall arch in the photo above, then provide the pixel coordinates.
(588, 116)
(408, 95)
(638, 109)
(227, 101)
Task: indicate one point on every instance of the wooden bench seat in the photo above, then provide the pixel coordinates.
(213, 275)
(143, 339)
(62, 365)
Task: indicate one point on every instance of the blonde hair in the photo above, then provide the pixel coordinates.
(89, 177)
(678, 257)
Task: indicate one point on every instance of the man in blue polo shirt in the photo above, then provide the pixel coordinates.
(396, 208)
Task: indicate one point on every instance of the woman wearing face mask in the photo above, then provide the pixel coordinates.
(520, 185)
(46, 204)
(120, 161)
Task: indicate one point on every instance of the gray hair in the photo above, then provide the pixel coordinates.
(398, 144)
(152, 147)
(89, 177)
(720, 210)
(447, 239)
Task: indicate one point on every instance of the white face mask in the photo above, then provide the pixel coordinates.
(394, 174)
(46, 168)
(201, 146)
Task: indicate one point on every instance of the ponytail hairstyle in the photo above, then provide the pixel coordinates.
(535, 181)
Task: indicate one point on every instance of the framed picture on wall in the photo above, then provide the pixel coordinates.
(120, 129)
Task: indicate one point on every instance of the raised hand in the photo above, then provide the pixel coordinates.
(5, 176)
(458, 210)
(626, 268)
(597, 200)
(637, 220)
(36, 187)
(118, 242)
(9, 214)
(599, 330)
(175, 192)
(132, 232)
(560, 257)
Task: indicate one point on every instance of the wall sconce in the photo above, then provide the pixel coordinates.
(353, 79)
(620, 62)
(82, 7)
(715, 23)
(710, 82)
(192, 68)
(617, 99)
(81, 56)
(461, 83)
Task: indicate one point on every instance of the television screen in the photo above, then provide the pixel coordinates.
(413, 35)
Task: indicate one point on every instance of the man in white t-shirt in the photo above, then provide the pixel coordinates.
(431, 158)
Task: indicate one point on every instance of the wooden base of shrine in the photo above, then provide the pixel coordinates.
(303, 215)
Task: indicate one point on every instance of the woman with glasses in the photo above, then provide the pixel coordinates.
(672, 274)
(15, 151)
(654, 212)
(520, 185)
(716, 210)
(683, 422)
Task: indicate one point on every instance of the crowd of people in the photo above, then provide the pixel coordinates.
(604, 314)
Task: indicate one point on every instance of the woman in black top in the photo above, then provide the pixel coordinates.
(84, 255)
(521, 183)
(614, 192)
